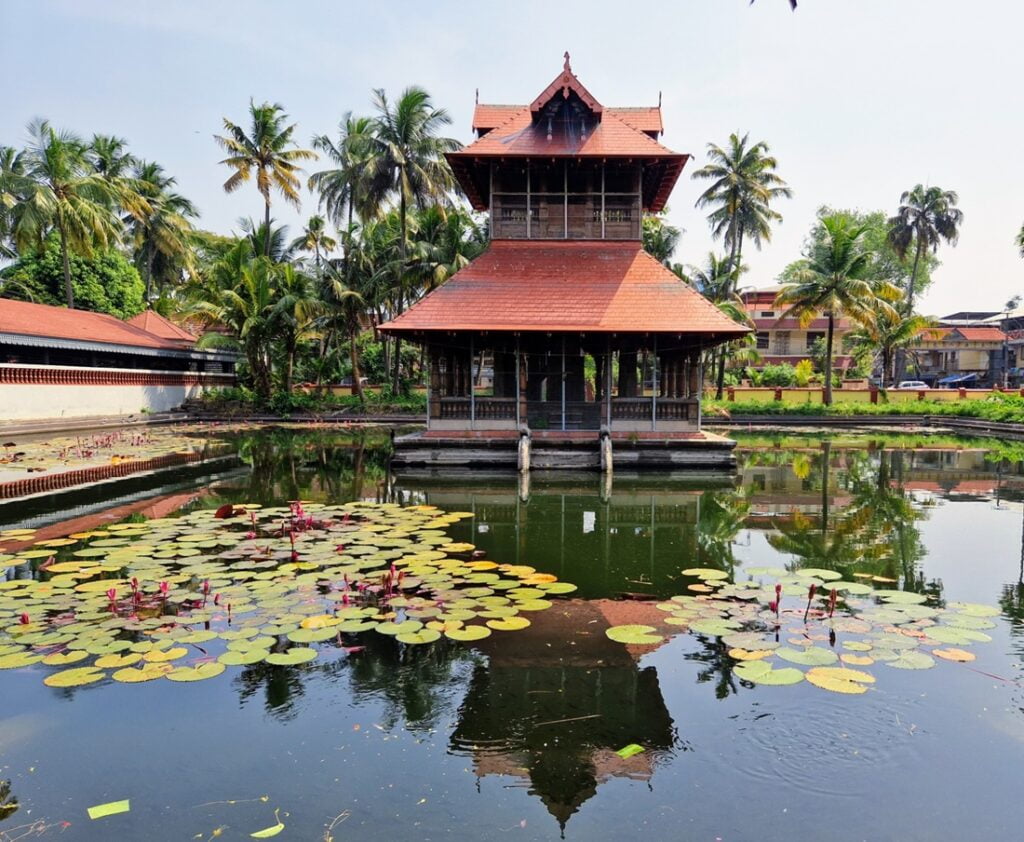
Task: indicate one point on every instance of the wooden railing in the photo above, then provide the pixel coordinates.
(486, 409)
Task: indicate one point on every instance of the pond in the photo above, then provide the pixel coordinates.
(534, 734)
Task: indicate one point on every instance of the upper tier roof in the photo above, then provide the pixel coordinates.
(588, 286)
(644, 118)
(567, 121)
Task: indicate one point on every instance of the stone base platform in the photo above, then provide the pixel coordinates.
(569, 450)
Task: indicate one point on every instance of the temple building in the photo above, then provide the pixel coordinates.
(565, 327)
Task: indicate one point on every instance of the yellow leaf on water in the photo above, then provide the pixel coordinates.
(112, 808)
(273, 830)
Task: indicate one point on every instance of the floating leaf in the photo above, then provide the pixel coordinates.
(706, 573)
(510, 624)
(417, 637)
(911, 661)
(632, 634)
(291, 657)
(760, 672)
(812, 656)
(76, 677)
(630, 750)
(112, 808)
(839, 680)
(748, 655)
(468, 633)
(273, 830)
(210, 669)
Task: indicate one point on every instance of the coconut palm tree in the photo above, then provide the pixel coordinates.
(346, 189)
(717, 280)
(835, 281)
(660, 239)
(315, 239)
(12, 169)
(407, 154)
(887, 332)
(110, 157)
(269, 151)
(294, 314)
(743, 186)
(238, 293)
(58, 189)
(161, 236)
(926, 217)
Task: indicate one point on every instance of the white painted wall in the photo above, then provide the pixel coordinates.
(21, 402)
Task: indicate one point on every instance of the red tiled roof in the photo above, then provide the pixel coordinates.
(981, 334)
(26, 318)
(520, 136)
(645, 118)
(595, 286)
(961, 334)
(152, 322)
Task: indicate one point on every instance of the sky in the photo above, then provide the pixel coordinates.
(858, 99)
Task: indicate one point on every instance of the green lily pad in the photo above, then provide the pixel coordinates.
(911, 661)
(809, 656)
(468, 633)
(210, 669)
(633, 634)
(760, 672)
(295, 655)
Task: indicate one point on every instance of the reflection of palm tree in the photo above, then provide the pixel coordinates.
(875, 531)
(718, 666)
(720, 518)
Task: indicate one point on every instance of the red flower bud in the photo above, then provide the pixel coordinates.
(24, 618)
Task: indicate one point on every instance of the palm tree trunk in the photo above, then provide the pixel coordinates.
(828, 359)
(353, 350)
(901, 355)
(289, 367)
(149, 271)
(720, 384)
(266, 227)
(396, 380)
(913, 276)
(735, 257)
(66, 261)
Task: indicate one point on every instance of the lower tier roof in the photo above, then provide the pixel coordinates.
(576, 286)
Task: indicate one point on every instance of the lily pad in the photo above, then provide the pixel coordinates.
(633, 634)
(811, 656)
(295, 655)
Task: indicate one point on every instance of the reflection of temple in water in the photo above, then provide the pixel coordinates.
(633, 540)
(556, 703)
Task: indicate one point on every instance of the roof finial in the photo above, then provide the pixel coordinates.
(566, 67)
(659, 99)
(477, 100)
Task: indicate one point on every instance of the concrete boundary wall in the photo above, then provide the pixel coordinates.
(796, 396)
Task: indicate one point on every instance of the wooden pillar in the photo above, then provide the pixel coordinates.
(627, 374)
(694, 386)
(522, 373)
(434, 395)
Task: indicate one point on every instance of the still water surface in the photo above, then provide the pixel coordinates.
(515, 737)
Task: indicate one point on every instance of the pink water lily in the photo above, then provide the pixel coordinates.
(24, 618)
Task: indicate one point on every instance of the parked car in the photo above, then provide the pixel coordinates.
(913, 384)
(347, 381)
